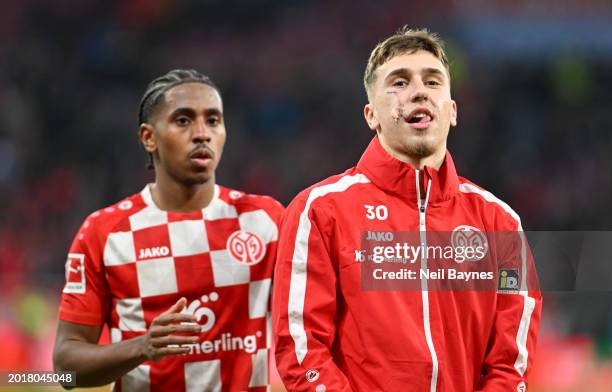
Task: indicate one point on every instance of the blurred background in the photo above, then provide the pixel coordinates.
(533, 83)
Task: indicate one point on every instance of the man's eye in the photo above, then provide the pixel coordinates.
(432, 83)
(214, 121)
(400, 83)
(183, 121)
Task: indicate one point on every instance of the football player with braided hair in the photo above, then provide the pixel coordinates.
(179, 272)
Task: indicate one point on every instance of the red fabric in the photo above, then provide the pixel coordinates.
(375, 340)
(139, 260)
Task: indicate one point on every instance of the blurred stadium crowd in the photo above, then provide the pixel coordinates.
(532, 82)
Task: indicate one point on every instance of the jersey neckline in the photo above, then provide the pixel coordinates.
(147, 197)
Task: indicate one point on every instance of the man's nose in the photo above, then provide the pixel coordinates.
(200, 132)
(419, 92)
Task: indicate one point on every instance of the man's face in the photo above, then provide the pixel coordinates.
(411, 106)
(187, 133)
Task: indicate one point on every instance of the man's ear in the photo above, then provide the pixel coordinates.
(453, 113)
(146, 134)
(371, 117)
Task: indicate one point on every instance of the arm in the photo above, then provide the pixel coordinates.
(512, 343)
(76, 347)
(86, 300)
(304, 305)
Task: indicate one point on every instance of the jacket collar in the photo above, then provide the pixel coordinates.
(399, 178)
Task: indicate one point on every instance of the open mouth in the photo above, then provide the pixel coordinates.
(420, 116)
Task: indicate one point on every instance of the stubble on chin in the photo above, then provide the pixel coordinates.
(193, 179)
(419, 149)
(199, 180)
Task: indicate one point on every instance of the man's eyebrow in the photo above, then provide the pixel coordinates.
(408, 73)
(432, 71)
(183, 111)
(399, 72)
(187, 111)
(213, 112)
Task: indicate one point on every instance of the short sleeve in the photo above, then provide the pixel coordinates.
(85, 297)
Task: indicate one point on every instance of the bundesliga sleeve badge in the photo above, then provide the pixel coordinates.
(75, 274)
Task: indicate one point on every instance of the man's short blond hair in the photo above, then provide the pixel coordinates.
(405, 40)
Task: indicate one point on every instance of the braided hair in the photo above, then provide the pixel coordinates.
(156, 89)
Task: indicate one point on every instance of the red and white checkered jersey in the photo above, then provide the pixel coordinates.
(132, 261)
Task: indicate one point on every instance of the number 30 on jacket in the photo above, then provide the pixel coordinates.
(376, 212)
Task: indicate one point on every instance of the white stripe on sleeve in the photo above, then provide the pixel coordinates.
(297, 288)
(520, 363)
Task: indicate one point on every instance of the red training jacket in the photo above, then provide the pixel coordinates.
(332, 335)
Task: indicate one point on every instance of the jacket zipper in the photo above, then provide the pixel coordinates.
(422, 206)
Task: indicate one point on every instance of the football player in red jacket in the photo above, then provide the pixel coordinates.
(334, 335)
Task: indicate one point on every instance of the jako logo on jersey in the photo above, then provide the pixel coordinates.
(226, 342)
(312, 375)
(521, 387)
(75, 274)
(465, 236)
(245, 247)
(379, 236)
(158, 251)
